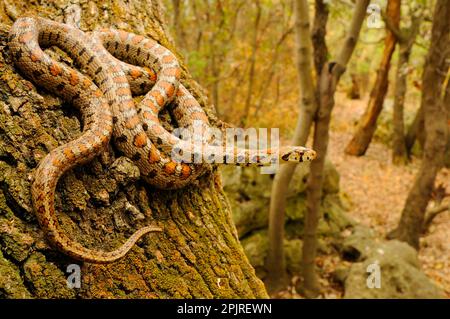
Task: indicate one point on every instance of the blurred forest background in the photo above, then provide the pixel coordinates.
(247, 55)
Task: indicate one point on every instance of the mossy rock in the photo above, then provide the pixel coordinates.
(400, 275)
(256, 246)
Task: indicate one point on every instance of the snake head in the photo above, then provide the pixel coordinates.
(297, 154)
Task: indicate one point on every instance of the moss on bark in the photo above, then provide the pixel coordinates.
(198, 255)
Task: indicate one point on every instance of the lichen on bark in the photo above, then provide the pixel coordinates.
(198, 254)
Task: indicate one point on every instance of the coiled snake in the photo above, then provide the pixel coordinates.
(108, 110)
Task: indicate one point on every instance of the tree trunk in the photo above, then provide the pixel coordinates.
(406, 40)
(197, 255)
(307, 107)
(434, 107)
(415, 131)
(399, 153)
(329, 78)
(368, 123)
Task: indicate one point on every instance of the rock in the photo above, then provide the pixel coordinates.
(296, 207)
(293, 254)
(399, 271)
(334, 214)
(249, 215)
(331, 179)
(359, 245)
(256, 247)
(340, 274)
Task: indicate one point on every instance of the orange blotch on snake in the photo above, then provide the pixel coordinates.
(56, 162)
(151, 74)
(149, 116)
(55, 70)
(73, 80)
(157, 129)
(140, 140)
(137, 38)
(135, 73)
(68, 153)
(132, 122)
(199, 116)
(123, 35)
(170, 167)
(149, 103)
(185, 171)
(98, 93)
(83, 149)
(168, 58)
(23, 23)
(123, 91)
(158, 97)
(86, 83)
(191, 102)
(150, 44)
(126, 105)
(168, 87)
(160, 50)
(120, 79)
(36, 55)
(115, 68)
(153, 156)
(172, 72)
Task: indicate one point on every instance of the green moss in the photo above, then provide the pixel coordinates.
(11, 284)
(46, 280)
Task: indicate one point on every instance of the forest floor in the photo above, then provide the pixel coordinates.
(375, 191)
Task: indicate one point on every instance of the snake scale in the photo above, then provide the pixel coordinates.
(116, 64)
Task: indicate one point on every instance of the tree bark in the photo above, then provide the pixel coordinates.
(329, 78)
(198, 254)
(435, 100)
(368, 122)
(415, 131)
(406, 39)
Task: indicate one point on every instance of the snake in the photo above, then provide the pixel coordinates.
(114, 65)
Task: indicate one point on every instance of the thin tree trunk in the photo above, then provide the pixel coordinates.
(275, 261)
(434, 107)
(406, 39)
(415, 131)
(198, 255)
(329, 78)
(307, 110)
(318, 33)
(368, 122)
(399, 152)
